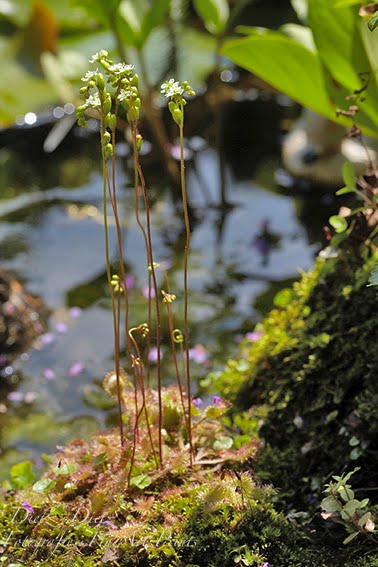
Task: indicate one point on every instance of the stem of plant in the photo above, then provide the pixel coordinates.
(186, 257)
(107, 258)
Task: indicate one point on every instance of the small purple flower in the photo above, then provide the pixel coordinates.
(266, 565)
(255, 336)
(15, 396)
(61, 327)
(76, 369)
(28, 507)
(199, 354)
(216, 400)
(109, 524)
(75, 312)
(59, 449)
(197, 402)
(3, 359)
(49, 374)
(145, 291)
(130, 281)
(47, 339)
(153, 355)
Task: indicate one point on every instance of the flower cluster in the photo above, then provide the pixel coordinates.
(172, 90)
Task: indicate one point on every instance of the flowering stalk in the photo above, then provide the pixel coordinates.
(175, 93)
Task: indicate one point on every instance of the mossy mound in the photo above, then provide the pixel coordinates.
(218, 522)
(310, 382)
(93, 507)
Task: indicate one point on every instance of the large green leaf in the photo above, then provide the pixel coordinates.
(154, 17)
(214, 14)
(336, 31)
(129, 21)
(285, 64)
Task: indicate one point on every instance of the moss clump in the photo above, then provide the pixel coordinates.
(310, 381)
(90, 509)
(217, 522)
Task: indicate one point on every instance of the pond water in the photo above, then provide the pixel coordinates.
(51, 237)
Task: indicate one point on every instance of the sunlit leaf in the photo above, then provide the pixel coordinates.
(44, 485)
(342, 52)
(22, 474)
(339, 223)
(214, 14)
(285, 64)
(141, 481)
(66, 468)
(373, 22)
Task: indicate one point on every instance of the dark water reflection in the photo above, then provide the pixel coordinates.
(53, 240)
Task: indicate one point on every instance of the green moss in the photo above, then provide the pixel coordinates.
(310, 380)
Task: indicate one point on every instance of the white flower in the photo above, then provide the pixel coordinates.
(171, 88)
(93, 101)
(89, 75)
(119, 68)
(99, 55)
(124, 94)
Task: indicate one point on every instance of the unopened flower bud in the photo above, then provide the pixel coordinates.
(108, 151)
(107, 106)
(139, 142)
(177, 116)
(106, 138)
(112, 121)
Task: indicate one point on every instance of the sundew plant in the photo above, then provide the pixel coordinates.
(109, 89)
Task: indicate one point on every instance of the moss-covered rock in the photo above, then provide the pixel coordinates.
(103, 502)
(310, 381)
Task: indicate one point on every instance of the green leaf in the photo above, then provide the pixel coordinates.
(373, 280)
(373, 21)
(141, 481)
(44, 485)
(339, 223)
(330, 504)
(346, 493)
(363, 504)
(334, 30)
(129, 21)
(337, 36)
(100, 10)
(350, 538)
(343, 3)
(57, 510)
(154, 17)
(301, 9)
(301, 34)
(22, 474)
(223, 443)
(349, 175)
(285, 64)
(214, 14)
(362, 521)
(66, 468)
